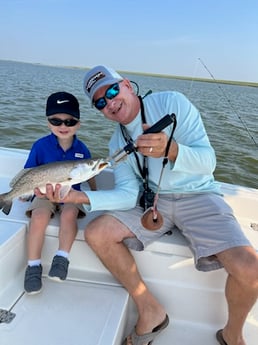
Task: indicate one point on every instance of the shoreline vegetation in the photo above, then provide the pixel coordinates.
(168, 76)
(207, 80)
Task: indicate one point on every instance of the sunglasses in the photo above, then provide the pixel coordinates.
(58, 122)
(110, 93)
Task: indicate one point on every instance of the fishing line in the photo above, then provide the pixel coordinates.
(192, 80)
(229, 102)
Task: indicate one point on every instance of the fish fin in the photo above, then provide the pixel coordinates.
(64, 191)
(18, 176)
(5, 205)
(26, 197)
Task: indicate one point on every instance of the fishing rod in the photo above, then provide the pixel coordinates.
(131, 146)
(229, 102)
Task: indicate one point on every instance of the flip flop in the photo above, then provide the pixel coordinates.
(220, 338)
(147, 338)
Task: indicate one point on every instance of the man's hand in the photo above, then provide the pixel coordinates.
(154, 145)
(53, 194)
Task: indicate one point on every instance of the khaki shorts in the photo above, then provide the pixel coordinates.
(52, 207)
(205, 220)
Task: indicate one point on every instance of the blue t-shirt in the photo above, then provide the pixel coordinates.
(47, 150)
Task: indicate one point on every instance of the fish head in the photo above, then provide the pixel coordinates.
(99, 165)
(83, 171)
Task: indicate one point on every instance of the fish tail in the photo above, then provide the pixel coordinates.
(5, 204)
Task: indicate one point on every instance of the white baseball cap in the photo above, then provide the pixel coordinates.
(97, 77)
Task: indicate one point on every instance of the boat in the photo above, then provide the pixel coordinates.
(91, 307)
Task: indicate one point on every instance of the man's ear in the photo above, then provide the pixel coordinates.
(128, 84)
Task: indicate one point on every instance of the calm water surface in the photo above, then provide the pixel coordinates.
(24, 89)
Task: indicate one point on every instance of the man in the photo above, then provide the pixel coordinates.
(189, 199)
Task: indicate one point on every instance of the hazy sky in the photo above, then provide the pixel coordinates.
(155, 36)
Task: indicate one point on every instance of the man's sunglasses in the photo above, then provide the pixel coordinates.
(58, 122)
(110, 93)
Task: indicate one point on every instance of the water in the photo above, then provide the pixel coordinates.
(24, 89)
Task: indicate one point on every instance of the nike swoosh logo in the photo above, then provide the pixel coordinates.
(60, 102)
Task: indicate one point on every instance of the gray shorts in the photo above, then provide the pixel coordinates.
(206, 221)
(52, 207)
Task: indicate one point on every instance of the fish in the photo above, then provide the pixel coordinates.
(66, 173)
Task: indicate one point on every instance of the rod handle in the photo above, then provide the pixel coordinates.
(161, 124)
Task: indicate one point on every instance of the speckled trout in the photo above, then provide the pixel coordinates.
(66, 173)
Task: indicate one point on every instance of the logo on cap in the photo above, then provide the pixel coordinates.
(61, 102)
(96, 77)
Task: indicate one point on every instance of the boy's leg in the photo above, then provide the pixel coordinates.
(40, 216)
(67, 233)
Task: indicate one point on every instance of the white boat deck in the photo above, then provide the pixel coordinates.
(40, 318)
(90, 307)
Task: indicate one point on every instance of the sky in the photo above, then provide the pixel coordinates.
(171, 37)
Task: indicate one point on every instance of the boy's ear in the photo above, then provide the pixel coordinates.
(48, 124)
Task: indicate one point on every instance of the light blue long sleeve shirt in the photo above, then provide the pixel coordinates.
(192, 171)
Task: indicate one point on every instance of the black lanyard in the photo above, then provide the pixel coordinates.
(143, 170)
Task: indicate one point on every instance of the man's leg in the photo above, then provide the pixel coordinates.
(105, 235)
(241, 291)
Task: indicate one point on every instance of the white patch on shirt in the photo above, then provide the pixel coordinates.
(79, 155)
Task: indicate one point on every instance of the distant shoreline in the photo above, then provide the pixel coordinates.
(168, 76)
(217, 81)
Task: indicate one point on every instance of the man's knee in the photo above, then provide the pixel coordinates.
(241, 263)
(98, 229)
(92, 232)
(246, 267)
(106, 229)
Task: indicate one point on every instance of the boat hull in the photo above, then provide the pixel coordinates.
(91, 307)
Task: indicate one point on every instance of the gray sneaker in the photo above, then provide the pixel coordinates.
(32, 280)
(59, 268)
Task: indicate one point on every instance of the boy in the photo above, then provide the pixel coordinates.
(63, 116)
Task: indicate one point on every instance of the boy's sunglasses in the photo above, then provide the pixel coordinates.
(110, 93)
(58, 122)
